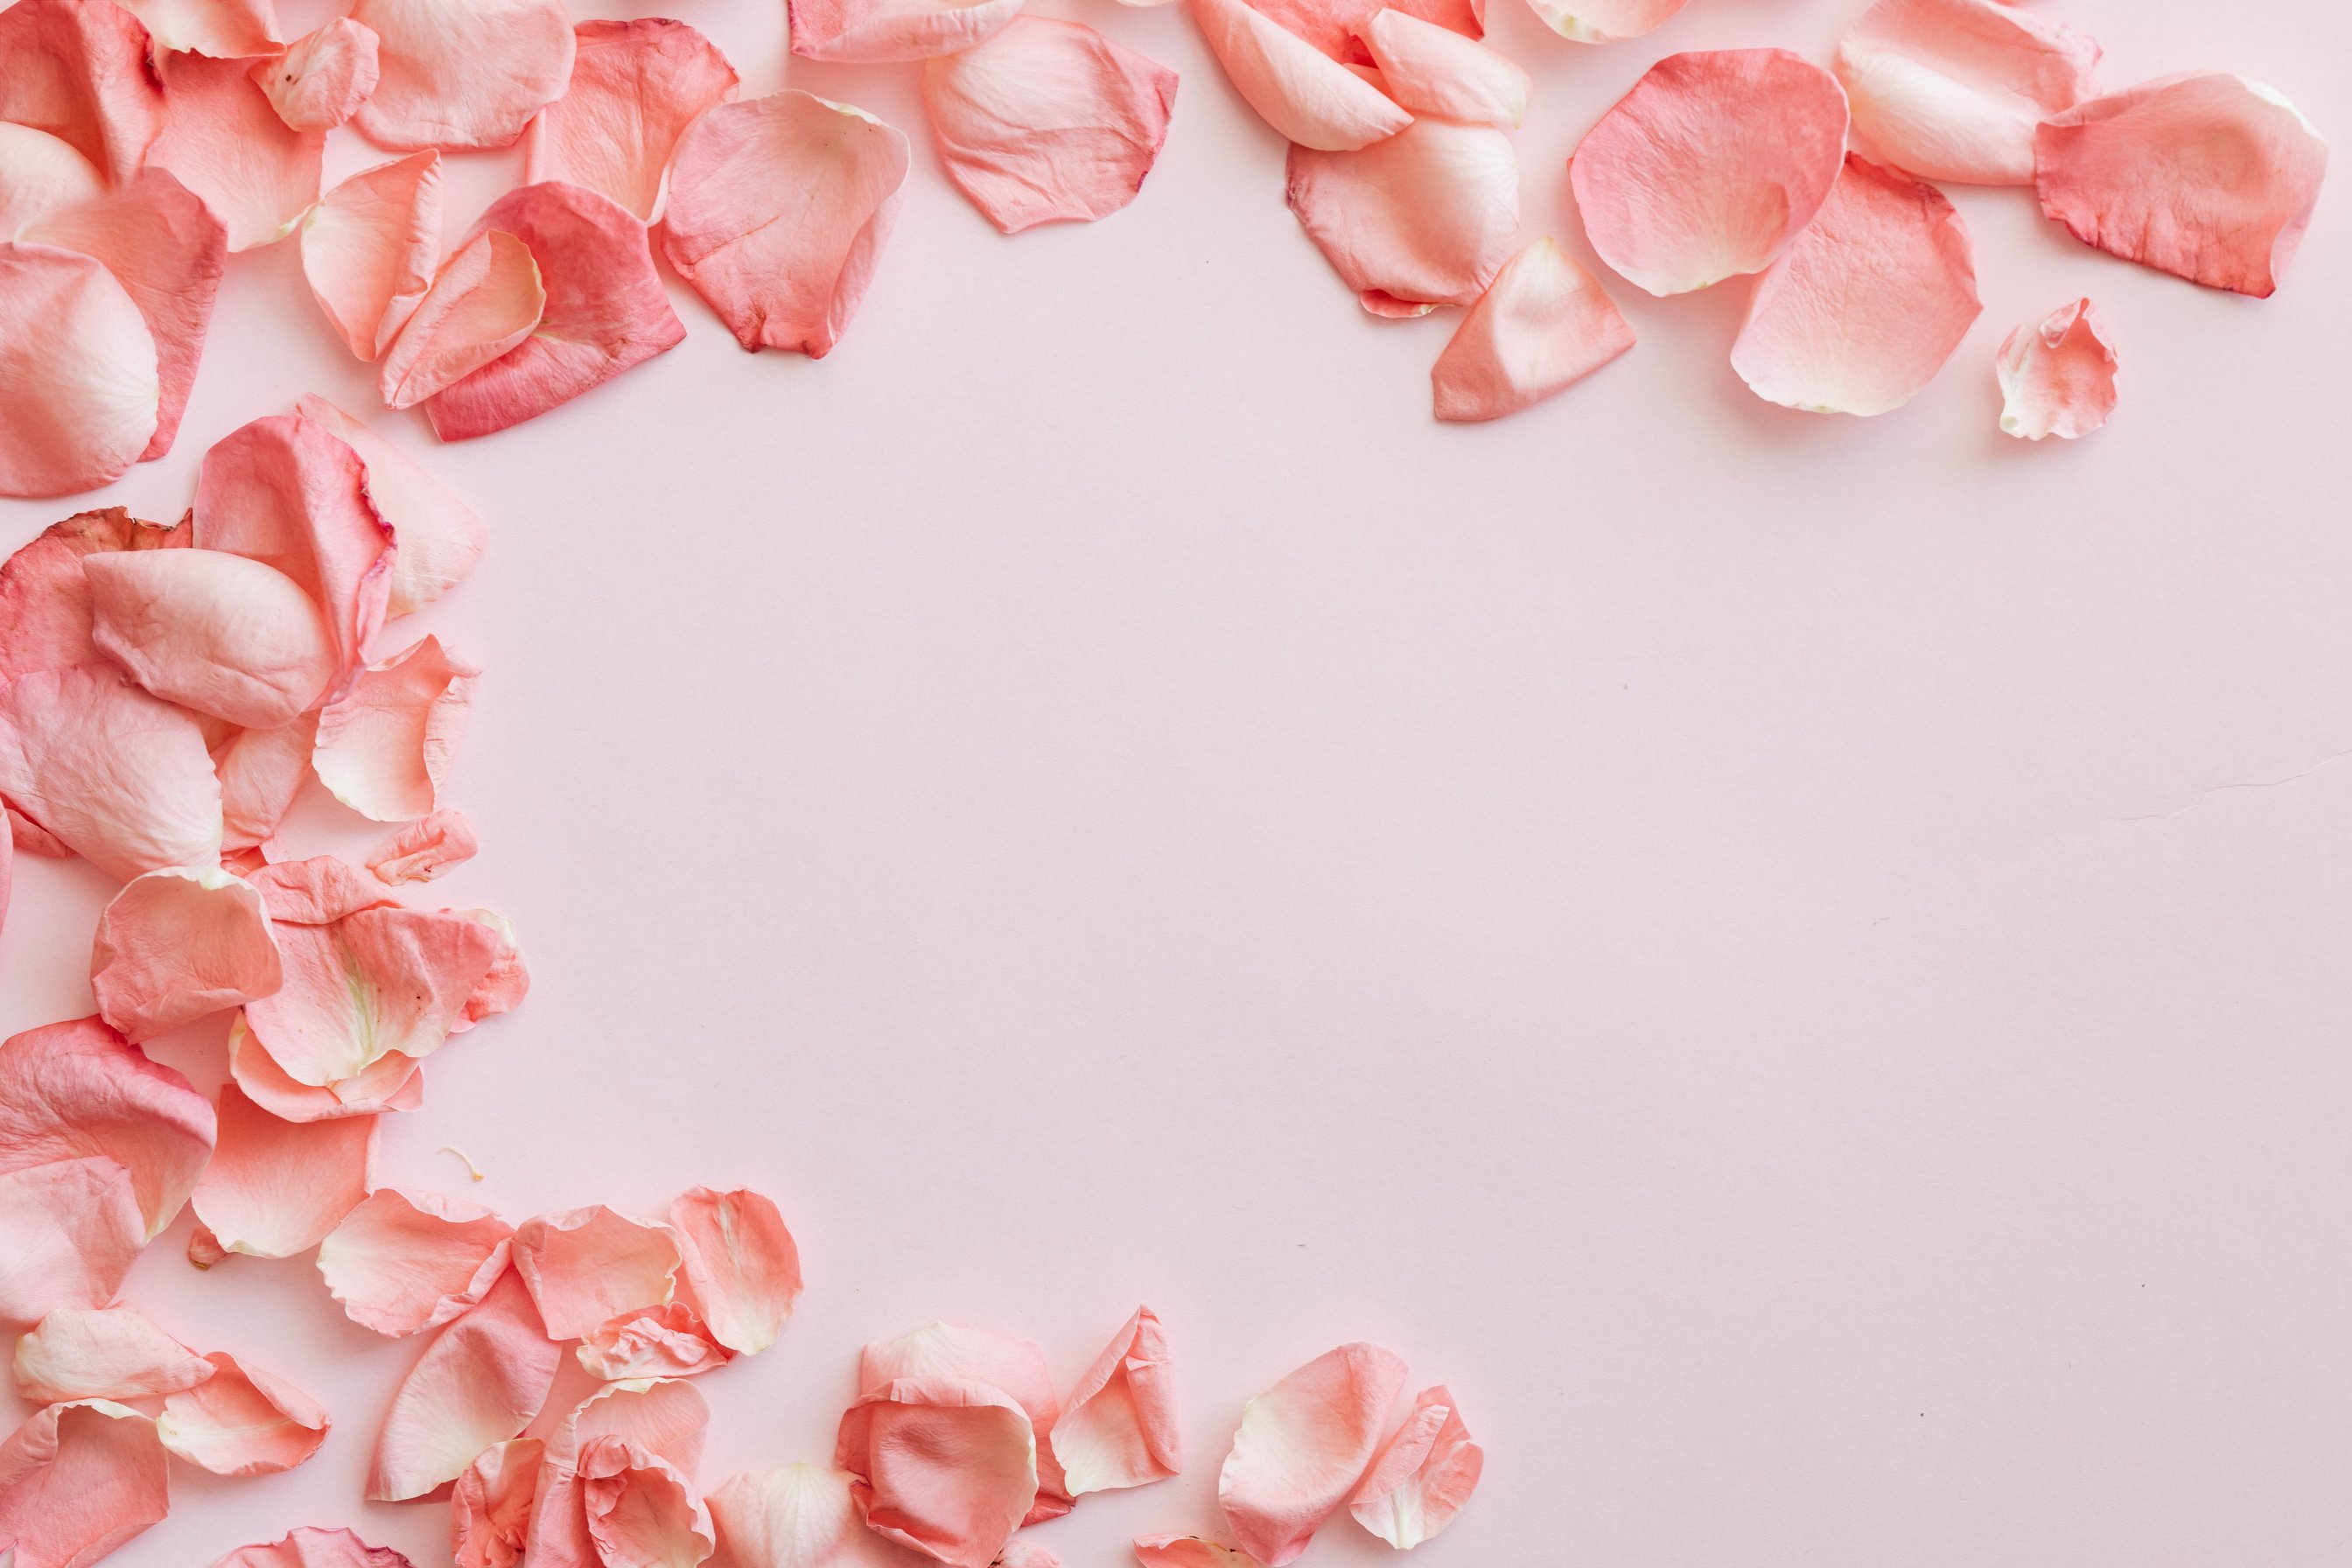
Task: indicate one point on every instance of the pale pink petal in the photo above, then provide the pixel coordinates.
(1295, 87)
(1023, 1552)
(462, 73)
(640, 1511)
(2211, 178)
(486, 298)
(945, 1466)
(117, 776)
(70, 1231)
(1605, 21)
(225, 29)
(1014, 1367)
(605, 311)
(390, 1082)
(880, 31)
(1542, 324)
(1047, 120)
(402, 1262)
(103, 1353)
(82, 369)
(1119, 1428)
(1302, 1447)
(311, 1548)
(211, 631)
(370, 249)
(1952, 89)
(1426, 217)
(78, 1481)
(1432, 69)
(502, 990)
(489, 1507)
(636, 86)
(242, 1421)
(1863, 309)
(276, 1188)
(1710, 166)
(424, 850)
(323, 78)
(380, 983)
(69, 1090)
(78, 69)
(740, 1268)
(178, 945)
(226, 143)
(43, 594)
(440, 537)
(651, 1342)
(1333, 26)
(479, 1382)
(2058, 379)
(318, 891)
(1424, 1476)
(385, 750)
(799, 1516)
(41, 173)
(1188, 1552)
(587, 1265)
(260, 773)
(779, 209)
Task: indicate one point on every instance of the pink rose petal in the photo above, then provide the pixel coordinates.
(1014, 1367)
(1302, 1447)
(486, 298)
(214, 632)
(462, 73)
(225, 29)
(226, 143)
(1334, 26)
(799, 1516)
(503, 988)
(1423, 1478)
(1424, 218)
(82, 367)
(1302, 92)
(489, 1507)
(178, 945)
(740, 1268)
(276, 1188)
(424, 850)
(260, 773)
(479, 1382)
(371, 247)
(401, 1262)
(311, 1548)
(78, 69)
(636, 86)
(1952, 89)
(944, 1465)
(44, 591)
(440, 537)
(376, 984)
(242, 1421)
(2059, 378)
(385, 750)
(322, 79)
(71, 1091)
(650, 1341)
(1023, 1552)
(69, 1232)
(1605, 21)
(1119, 1428)
(318, 891)
(78, 1481)
(39, 174)
(1543, 325)
(880, 31)
(103, 1353)
(1188, 1552)
(390, 1082)
(588, 1266)
(1432, 69)
(115, 774)
(639, 1508)
(663, 1417)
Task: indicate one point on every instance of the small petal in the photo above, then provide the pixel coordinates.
(370, 249)
(69, 1232)
(1119, 1428)
(402, 1262)
(103, 1353)
(1543, 325)
(663, 1417)
(78, 1481)
(1302, 92)
(636, 86)
(873, 32)
(1023, 1552)
(640, 1511)
(502, 989)
(1951, 89)
(385, 750)
(1426, 217)
(211, 631)
(241, 1421)
(944, 1465)
(71, 1091)
(276, 1188)
(43, 594)
(311, 1548)
(2058, 379)
(486, 298)
(588, 1266)
(739, 1266)
(81, 367)
(650, 1341)
(440, 537)
(225, 29)
(1334, 26)
(178, 945)
(1302, 1447)
(424, 850)
(1431, 69)
(117, 776)
(800, 1516)
(490, 1509)
(462, 73)
(1014, 1367)
(1423, 1478)
(226, 143)
(318, 891)
(1605, 21)
(78, 69)
(377, 983)
(322, 79)
(260, 773)
(390, 1082)
(479, 1382)
(1188, 1552)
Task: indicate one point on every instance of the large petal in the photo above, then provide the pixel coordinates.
(390, 1082)
(777, 212)
(181, 945)
(1302, 1447)
(479, 1382)
(740, 1268)
(370, 249)
(424, 850)
(242, 1421)
(636, 86)
(45, 597)
(1334, 26)
(2059, 378)
(881, 31)
(385, 749)
(1014, 1367)
(68, 1090)
(226, 143)
(1863, 309)
(115, 774)
(79, 70)
(41, 173)
(1432, 69)
(1188, 1552)
(587, 1265)
(1424, 1476)
(1543, 323)
(489, 1507)
(1605, 21)
(225, 29)
(1424, 218)
(103, 1353)
(218, 633)
(486, 298)
(402, 1262)
(1118, 1428)
(640, 1511)
(651, 1342)
(78, 1481)
(1951, 89)
(1710, 166)
(69, 1232)
(800, 1516)
(376, 984)
(441, 538)
(260, 773)
(276, 1188)
(85, 389)
(323, 78)
(1304, 93)
(944, 1465)
(462, 73)
(308, 1547)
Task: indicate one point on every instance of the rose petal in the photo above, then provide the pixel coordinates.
(1302, 1447)
(311, 1548)
(1951, 89)
(45, 597)
(390, 1082)
(1432, 69)
(370, 249)
(78, 69)
(2058, 379)
(69, 1232)
(1023, 1552)
(380, 983)
(1605, 21)
(479, 1382)
(67, 1090)
(636, 86)
(640, 1511)
(489, 1510)
(318, 891)
(242, 1421)
(462, 73)
(260, 773)
(1712, 165)
(276, 1188)
(1014, 1367)
(402, 1262)
(651, 1342)
(944, 1465)
(226, 143)
(1334, 26)
(39, 174)
(103, 1353)
(1423, 1478)
(588, 1266)
(663, 1417)
(739, 1268)
(440, 537)
(211, 631)
(486, 298)
(225, 29)
(81, 367)
(1187, 1551)
(118, 776)
(1119, 1428)
(424, 850)
(323, 78)
(1295, 87)
(1426, 217)
(2211, 178)
(178, 945)
(777, 212)
(1542, 324)
(1863, 309)
(385, 750)
(799, 1516)
(880, 31)
(502, 990)
(78, 1481)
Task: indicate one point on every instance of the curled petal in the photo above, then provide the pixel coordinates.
(1951, 89)
(1863, 309)
(944, 1465)
(45, 597)
(1188, 1552)
(276, 1188)
(1302, 1447)
(324, 77)
(260, 773)
(2058, 379)
(1295, 87)
(370, 249)
(225, 29)
(636, 86)
(390, 1082)
(440, 537)
(486, 298)
(385, 749)
(1021, 1553)
(1432, 69)
(503, 988)
(1542, 324)
(663, 1417)
(739, 1266)
(588, 1266)
(651, 1342)
(489, 1507)
(880, 31)
(1119, 1428)
(376, 984)
(241, 1421)
(799, 1516)
(226, 143)
(777, 212)
(81, 368)
(103, 1353)
(71, 1091)
(69, 1232)
(1014, 1367)
(318, 891)
(639, 1509)
(402, 1262)
(1605, 21)
(462, 73)
(41, 173)
(426, 849)
(79, 70)
(211, 631)
(311, 1548)
(1710, 166)
(115, 774)
(178, 945)
(1426, 217)
(78, 1481)
(479, 1382)
(1424, 1476)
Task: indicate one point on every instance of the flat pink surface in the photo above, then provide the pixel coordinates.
(1800, 964)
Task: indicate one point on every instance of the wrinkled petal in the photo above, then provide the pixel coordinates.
(2211, 178)
(1710, 166)
(479, 1382)
(380, 983)
(1951, 89)
(1426, 217)
(779, 209)
(462, 73)
(503, 988)
(311, 1548)
(179, 945)
(242, 1421)
(71, 1091)
(636, 86)
(880, 31)
(2058, 379)
(402, 1262)
(78, 1481)
(103, 1353)
(276, 1188)
(78, 69)
(211, 631)
(1302, 1447)
(799, 1516)
(1432, 69)
(385, 750)
(486, 298)
(640, 1512)
(82, 369)
(588, 1266)
(739, 1266)
(1023, 1552)
(118, 776)
(1295, 87)
(944, 1465)
(440, 537)
(260, 773)
(652, 1341)
(490, 1509)
(426, 849)
(69, 1232)
(41, 173)
(1119, 1428)
(1188, 1552)
(1542, 324)
(1605, 21)
(227, 144)
(225, 29)
(45, 596)
(1424, 1476)
(663, 1417)
(370, 249)
(390, 1082)
(1014, 1367)
(1047, 120)
(324, 77)
(318, 891)
(1863, 309)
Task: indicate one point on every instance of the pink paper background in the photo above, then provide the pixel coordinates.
(1799, 964)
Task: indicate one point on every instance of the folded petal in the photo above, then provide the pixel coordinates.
(588, 1266)
(651, 1342)
(1710, 166)
(2059, 378)
(486, 298)
(462, 73)
(260, 773)
(380, 983)
(2211, 178)
(1302, 1447)
(242, 1421)
(1426, 217)
(1432, 69)
(226, 143)
(218, 633)
(78, 69)
(41, 173)
(1863, 309)
(401, 1262)
(103, 1353)
(501, 990)
(440, 537)
(479, 1382)
(945, 1466)
(78, 1481)
(880, 31)
(489, 1507)
(1295, 87)
(636, 86)
(370, 249)
(118, 776)
(1014, 1367)
(71, 1091)
(1542, 324)
(390, 1082)
(1119, 1428)
(178, 945)
(385, 750)
(605, 311)
(69, 1232)
(662, 1417)
(81, 368)
(276, 1188)
(318, 891)
(225, 29)
(309, 1548)
(640, 1511)
(777, 212)
(1605, 21)
(1188, 1552)
(1424, 1476)
(43, 594)
(424, 849)
(1952, 89)
(799, 1516)
(322, 79)
(740, 1268)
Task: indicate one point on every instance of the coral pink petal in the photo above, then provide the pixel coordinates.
(323, 78)
(1424, 1476)
(385, 750)
(588, 1266)
(81, 367)
(1047, 120)
(402, 1262)
(1952, 89)
(70, 1090)
(440, 537)
(799, 1516)
(1302, 92)
(78, 1481)
(41, 173)
(945, 1466)
(1426, 217)
(1432, 69)
(318, 891)
(242, 1421)
(486, 298)
(1015, 1367)
(276, 1188)
(260, 773)
(1542, 324)
(371, 247)
(2059, 378)
(639, 1509)
(390, 1082)
(227, 144)
(311, 1548)
(1605, 21)
(211, 631)
(663, 1417)
(225, 29)
(874, 32)
(103, 1353)
(118, 776)
(1863, 309)
(78, 69)
(178, 945)
(605, 311)
(489, 1506)
(503, 988)
(1119, 1428)
(779, 209)
(652, 1341)
(479, 1382)
(1187, 1551)
(424, 850)
(1710, 166)
(2211, 178)
(462, 73)
(636, 86)
(44, 599)
(1303, 1446)
(376, 984)
(69, 1232)
(740, 1268)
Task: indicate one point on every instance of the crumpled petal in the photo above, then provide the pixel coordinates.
(384, 749)
(605, 311)
(588, 1266)
(874, 32)
(479, 1382)
(78, 69)
(1542, 324)
(1432, 69)
(778, 208)
(242, 1421)
(68, 1090)
(321, 81)
(69, 1232)
(1863, 309)
(218, 633)
(1426, 217)
(1952, 89)
(45, 597)
(2059, 378)
(225, 29)
(318, 891)
(1605, 21)
(462, 73)
(115, 774)
(1302, 1447)
(260, 772)
(370, 249)
(227, 144)
(740, 1268)
(373, 984)
(311, 1548)
(502, 989)
(486, 298)
(1047, 120)
(1710, 166)
(640, 1511)
(390, 1082)
(424, 849)
(662, 1416)
(1302, 92)
(652, 1341)
(2211, 178)
(181, 945)
(82, 369)
(1119, 1428)
(1188, 1552)
(945, 1466)
(1423, 1478)
(103, 1353)
(1014, 1367)
(489, 1507)
(401, 1262)
(440, 537)
(276, 1188)
(41, 173)
(78, 1481)
(797, 1516)
(636, 86)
